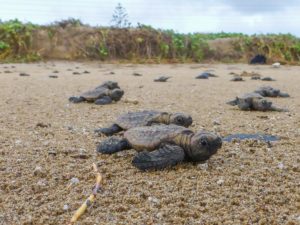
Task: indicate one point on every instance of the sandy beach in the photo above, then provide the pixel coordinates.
(45, 141)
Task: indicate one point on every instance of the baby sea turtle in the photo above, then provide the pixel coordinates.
(237, 78)
(145, 118)
(268, 91)
(24, 74)
(162, 146)
(267, 79)
(161, 79)
(254, 101)
(255, 77)
(104, 94)
(205, 75)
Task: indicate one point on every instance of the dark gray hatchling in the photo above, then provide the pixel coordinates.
(130, 120)
(237, 78)
(268, 91)
(161, 79)
(255, 77)
(267, 79)
(205, 75)
(104, 94)
(162, 146)
(254, 101)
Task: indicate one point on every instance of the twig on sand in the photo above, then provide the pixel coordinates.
(90, 199)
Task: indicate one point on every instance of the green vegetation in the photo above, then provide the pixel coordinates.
(28, 42)
(15, 41)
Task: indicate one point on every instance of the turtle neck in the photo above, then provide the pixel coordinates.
(164, 118)
(184, 141)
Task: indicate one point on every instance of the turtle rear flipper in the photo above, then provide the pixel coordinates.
(233, 102)
(108, 131)
(75, 99)
(113, 145)
(166, 156)
(103, 101)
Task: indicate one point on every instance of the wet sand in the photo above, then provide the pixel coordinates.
(247, 182)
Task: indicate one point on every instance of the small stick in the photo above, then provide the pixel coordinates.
(90, 199)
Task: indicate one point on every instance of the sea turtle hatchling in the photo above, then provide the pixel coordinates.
(237, 78)
(267, 79)
(205, 75)
(161, 79)
(268, 91)
(254, 101)
(104, 94)
(162, 146)
(145, 118)
(255, 77)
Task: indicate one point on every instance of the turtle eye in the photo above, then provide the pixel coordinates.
(179, 119)
(203, 142)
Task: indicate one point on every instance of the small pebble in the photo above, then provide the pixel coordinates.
(42, 182)
(38, 171)
(66, 207)
(220, 182)
(202, 166)
(153, 200)
(17, 142)
(74, 180)
(280, 166)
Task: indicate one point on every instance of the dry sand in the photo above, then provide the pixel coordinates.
(246, 182)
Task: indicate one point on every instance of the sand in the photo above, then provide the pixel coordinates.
(45, 141)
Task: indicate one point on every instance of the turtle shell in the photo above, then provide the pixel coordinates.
(268, 91)
(94, 94)
(109, 84)
(150, 137)
(250, 96)
(136, 119)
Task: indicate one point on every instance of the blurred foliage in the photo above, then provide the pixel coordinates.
(15, 39)
(144, 43)
(70, 22)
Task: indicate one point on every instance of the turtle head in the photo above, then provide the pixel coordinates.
(110, 85)
(181, 119)
(204, 145)
(273, 92)
(116, 94)
(263, 104)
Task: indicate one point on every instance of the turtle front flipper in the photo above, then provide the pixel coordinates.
(283, 95)
(113, 145)
(108, 131)
(75, 99)
(103, 101)
(166, 156)
(277, 109)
